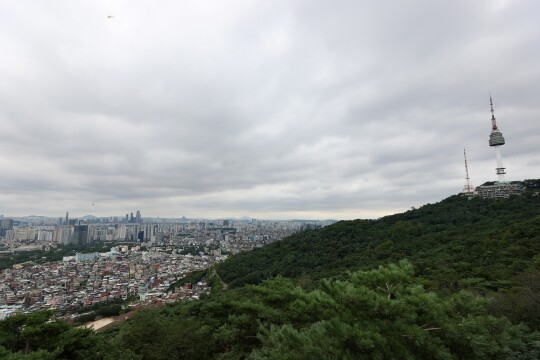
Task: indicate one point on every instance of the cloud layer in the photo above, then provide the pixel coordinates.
(279, 109)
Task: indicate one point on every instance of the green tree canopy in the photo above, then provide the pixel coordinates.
(386, 314)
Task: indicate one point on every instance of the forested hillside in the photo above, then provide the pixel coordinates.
(379, 314)
(454, 244)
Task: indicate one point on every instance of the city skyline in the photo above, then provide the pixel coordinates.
(91, 219)
(281, 110)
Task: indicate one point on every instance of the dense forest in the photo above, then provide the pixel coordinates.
(457, 243)
(459, 279)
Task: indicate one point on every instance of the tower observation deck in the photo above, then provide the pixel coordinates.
(496, 138)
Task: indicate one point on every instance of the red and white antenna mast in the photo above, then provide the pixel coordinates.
(493, 120)
(468, 188)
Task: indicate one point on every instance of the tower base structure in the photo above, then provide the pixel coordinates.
(497, 189)
(500, 168)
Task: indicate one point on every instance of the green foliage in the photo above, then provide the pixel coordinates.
(476, 244)
(375, 314)
(86, 317)
(36, 336)
(384, 314)
(36, 355)
(104, 308)
(154, 336)
(110, 310)
(521, 303)
(191, 278)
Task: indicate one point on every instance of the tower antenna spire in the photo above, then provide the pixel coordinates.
(468, 188)
(493, 120)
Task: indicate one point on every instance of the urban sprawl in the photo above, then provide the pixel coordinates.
(146, 257)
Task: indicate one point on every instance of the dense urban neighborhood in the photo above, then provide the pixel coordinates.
(142, 264)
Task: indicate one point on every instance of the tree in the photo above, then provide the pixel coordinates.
(155, 336)
(521, 303)
(384, 314)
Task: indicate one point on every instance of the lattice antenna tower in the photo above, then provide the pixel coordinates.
(468, 188)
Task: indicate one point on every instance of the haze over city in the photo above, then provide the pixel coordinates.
(282, 109)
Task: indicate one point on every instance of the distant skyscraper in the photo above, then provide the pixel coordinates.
(5, 224)
(64, 235)
(80, 234)
(10, 235)
(139, 219)
(67, 218)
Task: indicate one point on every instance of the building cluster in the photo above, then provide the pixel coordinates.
(229, 236)
(171, 250)
(128, 219)
(496, 189)
(122, 273)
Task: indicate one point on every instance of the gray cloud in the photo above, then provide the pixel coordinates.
(279, 109)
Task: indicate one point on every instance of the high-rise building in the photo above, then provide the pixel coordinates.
(25, 233)
(67, 219)
(122, 232)
(44, 235)
(150, 232)
(10, 235)
(139, 219)
(63, 234)
(80, 235)
(5, 224)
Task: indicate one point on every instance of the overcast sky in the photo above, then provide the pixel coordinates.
(268, 109)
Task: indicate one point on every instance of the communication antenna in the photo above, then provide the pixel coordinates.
(496, 140)
(468, 188)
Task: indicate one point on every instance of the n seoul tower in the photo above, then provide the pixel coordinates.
(496, 140)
